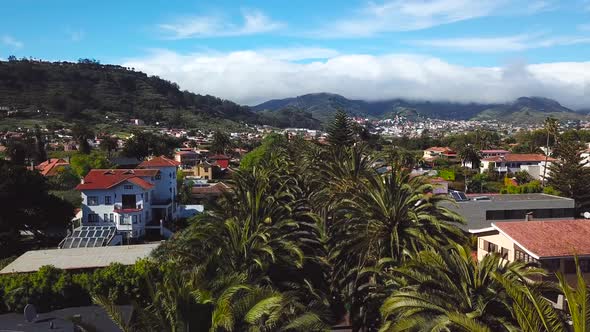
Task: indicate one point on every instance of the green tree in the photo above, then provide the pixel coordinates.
(29, 207)
(570, 175)
(109, 144)
(40, 153)
(81, 163)
(341, 130)
(82, 133)
(552, 128)
(221, 142)
(469, 154)
(449, 290)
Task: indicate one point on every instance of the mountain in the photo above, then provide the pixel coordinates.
(523, 110)
(91, 92)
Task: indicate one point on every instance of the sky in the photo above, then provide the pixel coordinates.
(251, 51)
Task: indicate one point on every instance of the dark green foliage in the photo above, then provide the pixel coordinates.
(270, 145)
(88, 91)
(27, 206)
(144, 144)
(570, 176)
(50, 288)
(221, 142)
(341, 130)
(289, 118)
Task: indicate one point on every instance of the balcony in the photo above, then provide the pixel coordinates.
(125, 208)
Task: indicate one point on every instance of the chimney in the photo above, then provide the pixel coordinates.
(528, 216)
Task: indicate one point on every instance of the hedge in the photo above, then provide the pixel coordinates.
(51, 288)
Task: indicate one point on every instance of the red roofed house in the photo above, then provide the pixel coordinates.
(552, 243)
(131, 200)
(221, 160)
(434, 152)
(532, 163)
(51, 166)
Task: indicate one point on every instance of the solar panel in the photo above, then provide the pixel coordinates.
(89, 236)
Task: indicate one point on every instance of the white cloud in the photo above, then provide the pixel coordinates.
(254, 22)
(407, 15)
(502, 44)
(11, 42)
(251, 77)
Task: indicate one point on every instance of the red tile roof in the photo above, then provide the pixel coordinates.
(160, 161)
(494, 151)
(441, 149)
(108, 178)
(213, 189)
(551, 238)
(515, 157)
(50, 166)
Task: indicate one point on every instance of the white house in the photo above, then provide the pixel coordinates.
(125, 202)
(532, 163)
(484, 154)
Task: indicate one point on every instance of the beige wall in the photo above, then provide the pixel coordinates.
(504, 242)
(498, 239)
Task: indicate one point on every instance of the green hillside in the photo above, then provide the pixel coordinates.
(90, 92)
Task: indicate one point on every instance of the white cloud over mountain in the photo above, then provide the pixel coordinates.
(253, 76)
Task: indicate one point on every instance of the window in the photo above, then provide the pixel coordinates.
(128, 186)
(107, 200)
(92, 217)
(520, 255)
(105, 217)
(147, 196)
(92, 200)
(492, 247)
(504, 252)
(570, 265)
(158, 176)
(112, 218)
(551, 265)
(125, 220)
(134, 219)
(488, 246)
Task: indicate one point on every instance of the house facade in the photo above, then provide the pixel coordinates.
(130, 200)
(484, 154)
(435, 152)
(552, 244)
(532, 163)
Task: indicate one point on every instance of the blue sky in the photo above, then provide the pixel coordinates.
(250, 51)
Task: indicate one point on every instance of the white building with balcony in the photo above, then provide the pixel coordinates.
(532, 163)
(124, 203)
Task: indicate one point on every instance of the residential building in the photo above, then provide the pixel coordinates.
(122, 204)
(480, 211)
(485, 154)
(186, 157)
(532, 163)
(221, 160)
(206, 191)
(435, 152)
(52, 166)
(552, 244)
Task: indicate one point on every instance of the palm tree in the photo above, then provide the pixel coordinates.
(384, 220)
(447, 290)
(469, 153)
(578, 300)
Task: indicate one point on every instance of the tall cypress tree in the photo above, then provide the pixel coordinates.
(571, 175)
(341, 131)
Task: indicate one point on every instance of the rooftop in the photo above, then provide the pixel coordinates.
(514, 157)
(79, 258)
(555, 238)
(108, 178)
(160, 161)
(513, 198)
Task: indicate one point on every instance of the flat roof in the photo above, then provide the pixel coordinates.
(544, 239)
(514, 197)
(79, 258)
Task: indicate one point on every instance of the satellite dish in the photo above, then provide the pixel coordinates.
(30, 313)
(586, 215)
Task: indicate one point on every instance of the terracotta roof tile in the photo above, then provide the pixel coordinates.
(108, 178)
(515, 157)
(551, 238)
(160, 161)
